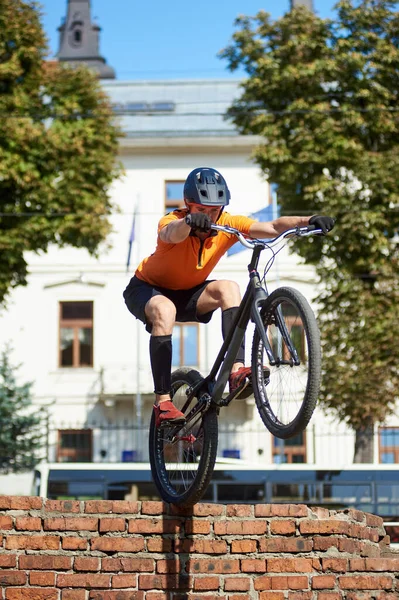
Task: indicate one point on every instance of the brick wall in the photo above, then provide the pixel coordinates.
(119, 550)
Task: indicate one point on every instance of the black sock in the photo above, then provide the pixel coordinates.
(228, 317)
(161, 362)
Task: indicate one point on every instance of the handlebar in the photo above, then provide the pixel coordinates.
(253, 242)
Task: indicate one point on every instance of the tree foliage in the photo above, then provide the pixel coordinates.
(58, 148)
(323, 95)
(21, 433)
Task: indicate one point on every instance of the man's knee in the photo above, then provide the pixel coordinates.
(160, 310)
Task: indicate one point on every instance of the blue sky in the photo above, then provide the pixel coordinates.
(157, 39)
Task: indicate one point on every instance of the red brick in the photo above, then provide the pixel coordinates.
(289, 582)
(208, 510)
(324, 526)
(98, 506)
(206, 583)
(8, 560)
(281, 510)
(320, 582)
(200, 546)
(86, 580)
(169, 565)
(282, 527)
(33, 542)
(253, 565)
(154, 525)
(74, 543)
(112, 524)
(63, 506)
(255, 527)
(159, 544)
(28, 523)
(128, 564)
(338, 565)
(237, 584)
(289, 544)
(26, 502)
(239, 510)
(365, 582)
(197, 526)
(5, 522)
(114, 544)
(289, 565)
(31, 594)
(86, 563)
(123, 581)
(73, 595)
(153, 508)
(204, 565)
(42, 578)
(243, 546)
(271, 596)
(71, 524)
(119, 595)
(263, 583)
(47, 563)
(172, 581)
(12, 578)
(125, 507)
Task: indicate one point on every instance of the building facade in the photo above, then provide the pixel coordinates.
(70, 329)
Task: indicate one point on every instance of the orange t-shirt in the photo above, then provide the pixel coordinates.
(186, 264)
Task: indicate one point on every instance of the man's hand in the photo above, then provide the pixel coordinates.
(199, 222)
(323, 223)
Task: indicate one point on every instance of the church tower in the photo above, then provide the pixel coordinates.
(307, 3)
(79, 40)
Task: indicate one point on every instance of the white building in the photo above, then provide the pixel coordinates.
(71, 330)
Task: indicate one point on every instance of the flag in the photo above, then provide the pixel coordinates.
(131, 239)
(264, 214)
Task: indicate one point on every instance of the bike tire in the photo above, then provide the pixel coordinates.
(287, 399)
(182, 467)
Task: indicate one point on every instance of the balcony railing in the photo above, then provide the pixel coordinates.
(126, 442)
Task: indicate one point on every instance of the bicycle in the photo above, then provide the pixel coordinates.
(285, 375)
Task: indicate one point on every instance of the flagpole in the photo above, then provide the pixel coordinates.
(139, 400)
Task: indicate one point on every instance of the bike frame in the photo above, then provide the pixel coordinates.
(249, 309)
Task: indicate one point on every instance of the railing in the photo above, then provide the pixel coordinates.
(126, 442)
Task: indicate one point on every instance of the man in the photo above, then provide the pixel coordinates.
(171, 285)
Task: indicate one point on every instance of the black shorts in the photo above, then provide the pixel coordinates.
(138, 293)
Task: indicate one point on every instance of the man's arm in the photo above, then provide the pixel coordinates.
(271, 229)
(175, 232)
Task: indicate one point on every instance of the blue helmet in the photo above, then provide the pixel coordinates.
(206, 186)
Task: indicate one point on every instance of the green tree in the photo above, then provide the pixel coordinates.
(21, 429)
(324, 96)
(58, 148)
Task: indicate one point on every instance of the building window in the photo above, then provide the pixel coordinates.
(76, 334)
(292, 450)
(185, 345)
(74, 445)
(389, 445)
(174, 195)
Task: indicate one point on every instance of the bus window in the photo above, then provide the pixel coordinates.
(240, 492)
(346, 493)
(295, 492)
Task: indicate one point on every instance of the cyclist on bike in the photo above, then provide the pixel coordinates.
(171, 284)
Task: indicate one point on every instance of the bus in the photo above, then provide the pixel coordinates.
(367, 487)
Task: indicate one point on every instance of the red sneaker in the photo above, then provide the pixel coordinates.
(240, 382)
(166, 412)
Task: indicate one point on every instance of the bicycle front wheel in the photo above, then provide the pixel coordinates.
(182, 457)
(287, 397)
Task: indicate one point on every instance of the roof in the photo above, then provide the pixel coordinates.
(174, 108)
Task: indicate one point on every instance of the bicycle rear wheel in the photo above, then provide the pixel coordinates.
(286, 400)
(182, 457)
